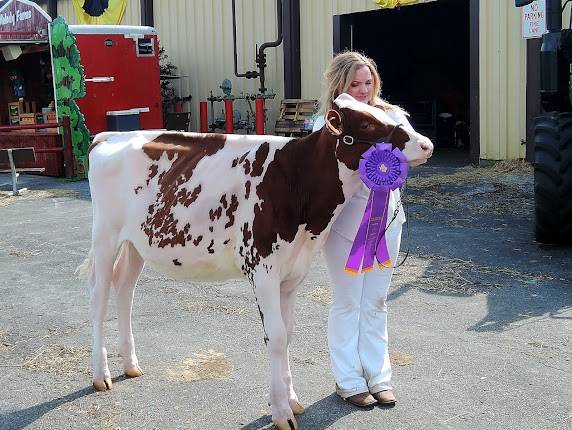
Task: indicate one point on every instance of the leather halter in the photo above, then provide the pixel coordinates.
(349, 140)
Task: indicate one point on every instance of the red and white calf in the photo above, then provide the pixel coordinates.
(213, 207)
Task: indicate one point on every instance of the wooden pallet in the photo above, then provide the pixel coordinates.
(292, 117)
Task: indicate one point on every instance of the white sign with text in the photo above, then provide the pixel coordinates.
(534, 19)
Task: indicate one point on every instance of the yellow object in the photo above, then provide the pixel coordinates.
(112, 15)
(390, 4)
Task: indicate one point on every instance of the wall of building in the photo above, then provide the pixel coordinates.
(502, 64)
(502, 67)
(197, 36)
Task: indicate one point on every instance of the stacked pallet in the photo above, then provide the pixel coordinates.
(295, 118)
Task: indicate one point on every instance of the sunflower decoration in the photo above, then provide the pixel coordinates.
(99, 11)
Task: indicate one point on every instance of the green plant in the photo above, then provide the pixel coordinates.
(167, 68)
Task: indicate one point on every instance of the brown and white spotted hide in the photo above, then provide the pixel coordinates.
(212, 207)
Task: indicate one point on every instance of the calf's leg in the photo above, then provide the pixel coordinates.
(287, 305)
(267, 292)
(104, 250)
(128, 267)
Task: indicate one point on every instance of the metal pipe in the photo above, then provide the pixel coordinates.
(204, 116)
(259, 116)
(228, 117)
(261, 58)
(14, 173)
(247, 75)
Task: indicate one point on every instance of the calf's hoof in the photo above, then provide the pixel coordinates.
(290, 424)
(296, 406)
(103, 385)
(133, 372)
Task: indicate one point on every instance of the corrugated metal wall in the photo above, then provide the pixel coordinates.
(316, 35)
(197, 36)
(132, 13)
(502, 64)
(502, 67)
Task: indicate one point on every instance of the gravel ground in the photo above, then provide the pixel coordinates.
(480, 323)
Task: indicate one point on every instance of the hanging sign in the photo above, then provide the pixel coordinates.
(23, 21)
(534, 19)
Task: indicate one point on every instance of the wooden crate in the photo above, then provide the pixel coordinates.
(28, 119)
(294, 114)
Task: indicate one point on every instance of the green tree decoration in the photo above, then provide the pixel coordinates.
(70, 85)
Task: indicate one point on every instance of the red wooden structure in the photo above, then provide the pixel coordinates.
(53, 151)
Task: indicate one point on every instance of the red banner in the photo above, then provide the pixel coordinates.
(22, 20)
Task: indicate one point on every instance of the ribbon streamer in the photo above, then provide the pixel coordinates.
(382, 170)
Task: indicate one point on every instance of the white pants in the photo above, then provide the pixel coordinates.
(357, 323)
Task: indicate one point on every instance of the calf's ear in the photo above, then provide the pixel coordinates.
(334, 122)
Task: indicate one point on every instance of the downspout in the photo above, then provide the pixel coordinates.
(260, 56)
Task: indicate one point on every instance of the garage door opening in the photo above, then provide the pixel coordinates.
(423, 55)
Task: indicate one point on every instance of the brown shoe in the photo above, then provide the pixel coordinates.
(361, 400)
(385, 398)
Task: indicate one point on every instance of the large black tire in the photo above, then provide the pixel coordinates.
(553, 178)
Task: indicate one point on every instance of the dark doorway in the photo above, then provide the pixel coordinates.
(423, 55)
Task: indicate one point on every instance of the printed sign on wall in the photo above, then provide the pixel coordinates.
(534, 19)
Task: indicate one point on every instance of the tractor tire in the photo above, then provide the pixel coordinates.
(553, 178)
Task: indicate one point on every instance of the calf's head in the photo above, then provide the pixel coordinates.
(359, 126)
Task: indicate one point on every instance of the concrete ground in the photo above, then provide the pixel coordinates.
(480, 323)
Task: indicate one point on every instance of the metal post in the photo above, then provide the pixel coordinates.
(229, 117)
(204, 117)
(292, 74)
(147, 13)
(259, 116)
(14, 174)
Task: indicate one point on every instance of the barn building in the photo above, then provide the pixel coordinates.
(448, 62)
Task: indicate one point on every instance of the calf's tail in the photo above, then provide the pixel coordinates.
(85, 269)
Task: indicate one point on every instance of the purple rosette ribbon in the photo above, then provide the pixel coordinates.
(382, 170)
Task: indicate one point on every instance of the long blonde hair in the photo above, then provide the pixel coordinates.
(339, 75)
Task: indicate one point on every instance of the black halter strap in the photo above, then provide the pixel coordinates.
(349, 140)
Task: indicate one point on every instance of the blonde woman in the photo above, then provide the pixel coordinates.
(357, 322)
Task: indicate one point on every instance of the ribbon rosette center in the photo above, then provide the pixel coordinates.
(382, 169)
